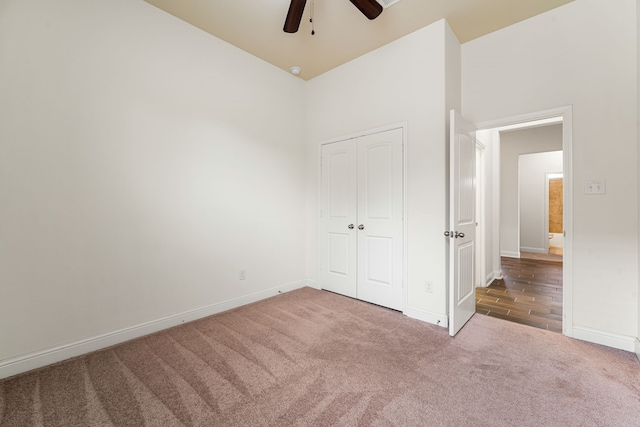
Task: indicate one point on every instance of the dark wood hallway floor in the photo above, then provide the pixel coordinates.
(530, 293)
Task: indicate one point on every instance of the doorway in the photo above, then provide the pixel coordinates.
(499, 256)
(553, 213)
(540, 197)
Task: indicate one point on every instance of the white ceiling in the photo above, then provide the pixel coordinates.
(342, 32)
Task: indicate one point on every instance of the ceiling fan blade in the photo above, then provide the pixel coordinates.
(370, 8)
(294, 16)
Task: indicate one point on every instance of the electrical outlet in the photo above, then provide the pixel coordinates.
(428, 286)
(243, 274)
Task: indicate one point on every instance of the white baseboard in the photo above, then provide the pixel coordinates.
(621, 342)
(427, 316)
(533, 250)
(312, 284)
(27, 362)
(510, 254)
(489, 279)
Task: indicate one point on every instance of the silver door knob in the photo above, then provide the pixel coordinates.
(350, 226)
(361, 227)
(461, 235)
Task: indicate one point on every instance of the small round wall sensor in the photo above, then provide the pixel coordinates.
(295, 71)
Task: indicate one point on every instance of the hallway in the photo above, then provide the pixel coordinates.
(529, 293)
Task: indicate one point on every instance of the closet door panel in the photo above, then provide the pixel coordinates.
(338, 214)
(380, 218)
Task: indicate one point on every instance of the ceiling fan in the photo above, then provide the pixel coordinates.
(370, 8)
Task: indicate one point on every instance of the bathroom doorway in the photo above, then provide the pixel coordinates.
(554, 210)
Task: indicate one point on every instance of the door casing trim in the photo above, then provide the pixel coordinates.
(566, 113)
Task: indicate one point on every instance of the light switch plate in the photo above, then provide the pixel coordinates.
(595, 187)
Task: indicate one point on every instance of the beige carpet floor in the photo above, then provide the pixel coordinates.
(313, 358)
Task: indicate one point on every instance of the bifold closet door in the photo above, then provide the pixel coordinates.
(361, 218)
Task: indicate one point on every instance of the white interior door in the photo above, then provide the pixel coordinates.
(462, 222)
(380, 211)
(361, 218)
(338, 215)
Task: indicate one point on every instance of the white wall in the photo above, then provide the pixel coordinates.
(490, 138)
(582, 54)
(411, 80)
(142, 164)
(638, 131)
(512, 145)
(533, 170)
